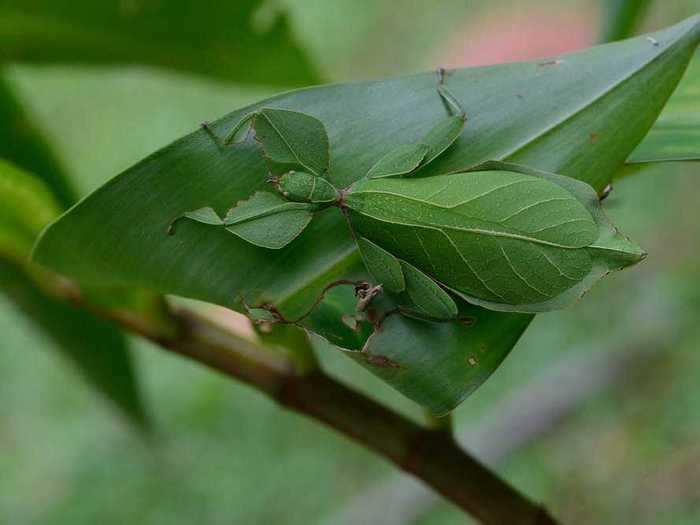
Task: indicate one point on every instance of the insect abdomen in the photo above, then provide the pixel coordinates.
(502, 237)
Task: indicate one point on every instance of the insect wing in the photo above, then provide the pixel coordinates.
(293, 138)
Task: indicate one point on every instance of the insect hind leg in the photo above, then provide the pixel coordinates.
(446, 95)
(212, 134)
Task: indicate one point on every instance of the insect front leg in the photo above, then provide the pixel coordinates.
(450, 100)
(407, 159)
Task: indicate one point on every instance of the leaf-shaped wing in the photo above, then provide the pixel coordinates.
(293, 138)
(382, 265)
(506, 240)
(426, 294)
(443, 135)
(399, 161)
(268, 221)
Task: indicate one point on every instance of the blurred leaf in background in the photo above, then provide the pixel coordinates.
(94, 346)
(247, 41)
(31, 199)
(676, 133)
(621, 18)
(22, 143)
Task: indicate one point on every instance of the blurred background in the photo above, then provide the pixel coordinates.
(595, 412)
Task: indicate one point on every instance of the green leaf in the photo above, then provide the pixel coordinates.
(435, 364)
(230, 40)
(676, 134)
(580, 116)
(292, 138)
(22, 144)
(94, 346)
(399, 161)
(27, 206)
(518, 240)
(439, 364)
(621, 17)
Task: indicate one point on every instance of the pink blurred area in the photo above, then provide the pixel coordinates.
(521, 32)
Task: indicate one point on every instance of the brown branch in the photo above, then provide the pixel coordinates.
(513, 423)
(432, 455)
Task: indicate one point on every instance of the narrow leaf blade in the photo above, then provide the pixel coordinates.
(27, 206)
(221, 39)
(400, 161)
(676, 134)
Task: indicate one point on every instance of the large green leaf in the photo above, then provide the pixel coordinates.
(580, 115)
(240, 40)
(676, 134)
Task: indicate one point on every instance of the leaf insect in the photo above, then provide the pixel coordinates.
(498, 235)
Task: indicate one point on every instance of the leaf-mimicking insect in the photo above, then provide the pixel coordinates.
(502, 236)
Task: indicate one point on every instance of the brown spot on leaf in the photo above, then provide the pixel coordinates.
(381, 361)
(594, 137)
(548, 63)
(467, 321)
(472, 360)
(483, 348)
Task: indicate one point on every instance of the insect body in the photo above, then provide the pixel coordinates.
(502, 236)
(507, 240)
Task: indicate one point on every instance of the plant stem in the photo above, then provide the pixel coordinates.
(431, 455)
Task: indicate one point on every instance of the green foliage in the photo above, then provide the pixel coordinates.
(28, 206)
(621, 17)
(22, 144)
(242, 40)
(676, 134)
(94, 346)
(566, 117)
(30, 202)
